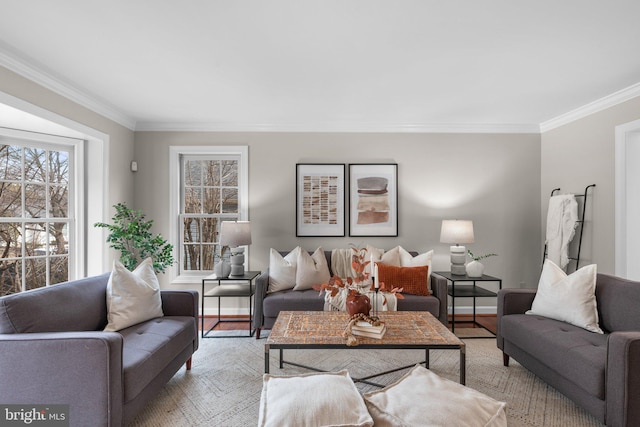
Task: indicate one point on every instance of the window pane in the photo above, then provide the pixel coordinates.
(59, 201)
(36, 272)
(59, 167)
(211, 200)
(210, 230)
(212, 173)
(10, 276)
(230, 173)
(191, 230)
(35, 201)
(35, 165)
(208, 260)
(229, 200)
(10, 163)
(59, 240)
(191, 257)
(10, 200)
(193, 172)
(9, 239)
(59, 270)
(192, 200)
(35, 184)
(35, 238)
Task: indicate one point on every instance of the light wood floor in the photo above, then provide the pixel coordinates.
(462, 321)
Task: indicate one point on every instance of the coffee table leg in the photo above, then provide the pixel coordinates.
(281, 358)
(266, 358)
(426, 358)
(463, 366)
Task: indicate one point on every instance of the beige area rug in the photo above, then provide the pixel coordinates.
(223, 388)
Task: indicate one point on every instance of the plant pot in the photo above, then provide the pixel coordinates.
(358, 304)
(475, 269)
(222, 269)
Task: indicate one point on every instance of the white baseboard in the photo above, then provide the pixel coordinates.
(235, 311)
(479, 309)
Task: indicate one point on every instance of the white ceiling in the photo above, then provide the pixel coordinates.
(394, 65)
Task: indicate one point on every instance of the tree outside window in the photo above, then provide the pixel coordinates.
(209, 196)
(34, 217)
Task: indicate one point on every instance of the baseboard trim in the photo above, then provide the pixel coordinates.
(479, 310)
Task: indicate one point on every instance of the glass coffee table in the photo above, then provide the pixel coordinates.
(406, 330)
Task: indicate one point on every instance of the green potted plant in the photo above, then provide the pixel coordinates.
(475, 268)
(130, 235)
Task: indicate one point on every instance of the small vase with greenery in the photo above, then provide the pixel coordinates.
(475, 268)
(130, 235)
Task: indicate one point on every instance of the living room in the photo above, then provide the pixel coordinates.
(493, 158)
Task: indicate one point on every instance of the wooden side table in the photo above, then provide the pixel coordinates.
(468, 291)
(232, 286)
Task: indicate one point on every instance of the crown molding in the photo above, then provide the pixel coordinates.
(29, 70)
(592, 107)
(351, 127)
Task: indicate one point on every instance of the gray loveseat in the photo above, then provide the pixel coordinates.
(53, 351)
(268, 305)
(601, 373)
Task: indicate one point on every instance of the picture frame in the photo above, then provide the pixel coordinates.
(373, 199)
(320, 199)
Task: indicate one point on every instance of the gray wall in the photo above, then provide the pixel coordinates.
(582, 153)
(492, 179)
(120, 147)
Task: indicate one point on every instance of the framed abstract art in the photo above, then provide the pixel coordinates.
(320, 199)
(373, 199)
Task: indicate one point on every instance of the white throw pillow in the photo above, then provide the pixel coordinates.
(408, 260)
(315, 399)
(390, 257)
(282, 270)
(422, 398)
(311, 270)
(570, 299)
(132, 296)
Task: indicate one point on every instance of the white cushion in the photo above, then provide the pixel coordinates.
(390, 257)
(132, 296)
(282, 270)
(408, 260)
(315, 399)
(570, 299)
(422, 398)
(311, 270)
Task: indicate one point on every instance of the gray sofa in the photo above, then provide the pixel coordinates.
(268, 305)
(53, 351)
(601, 373)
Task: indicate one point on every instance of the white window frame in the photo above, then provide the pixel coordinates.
(76, 217)
(175, 188)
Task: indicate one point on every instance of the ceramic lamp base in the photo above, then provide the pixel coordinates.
(458, 257)
(237, 262)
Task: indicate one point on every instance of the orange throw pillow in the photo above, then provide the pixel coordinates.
(413, 280)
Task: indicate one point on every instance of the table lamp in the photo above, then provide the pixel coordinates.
(457, 232)
(235, 234)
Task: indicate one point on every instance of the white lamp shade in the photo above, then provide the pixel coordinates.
(456, 231)
(235, 233)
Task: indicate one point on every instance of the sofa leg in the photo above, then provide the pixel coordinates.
(189, 364)
(258, 333)
(505, 359)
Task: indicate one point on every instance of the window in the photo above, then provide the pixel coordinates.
(36, 214)
(212, 188)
